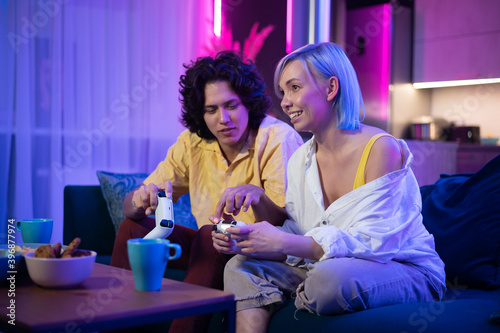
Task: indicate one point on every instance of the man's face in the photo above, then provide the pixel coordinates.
(226, 117)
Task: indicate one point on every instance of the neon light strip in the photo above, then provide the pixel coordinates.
(324, 21)
(289, 11)
(456, 83)
(217, 17)
(385, 61)
(312, 21)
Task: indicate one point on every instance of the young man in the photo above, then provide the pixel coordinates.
(230, 150)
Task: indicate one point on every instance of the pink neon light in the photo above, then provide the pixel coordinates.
(289, 11)
(217, 17)
(386, 60)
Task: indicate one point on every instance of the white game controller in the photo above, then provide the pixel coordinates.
(164, 216)
(224, 224)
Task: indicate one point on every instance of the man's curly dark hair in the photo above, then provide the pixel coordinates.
(227, 66)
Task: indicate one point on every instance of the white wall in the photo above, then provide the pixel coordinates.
(469, 106)
(477, 105)
(407, 103)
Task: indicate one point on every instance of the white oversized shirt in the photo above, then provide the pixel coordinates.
(379, 221)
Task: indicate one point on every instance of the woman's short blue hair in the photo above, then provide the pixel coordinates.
(327, 60)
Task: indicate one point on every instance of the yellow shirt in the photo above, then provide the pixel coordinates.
(197, 166)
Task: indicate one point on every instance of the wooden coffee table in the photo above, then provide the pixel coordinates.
(106, 301)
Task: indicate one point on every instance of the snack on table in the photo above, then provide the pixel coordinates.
(81, 253)
(49, 251)
(45, 251)
(68, 252)
(57, 248)
(24, 249)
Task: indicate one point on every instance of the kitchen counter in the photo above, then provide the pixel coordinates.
(472, 157)
(433, 158)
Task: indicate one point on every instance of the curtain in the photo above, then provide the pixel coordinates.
(86, 86)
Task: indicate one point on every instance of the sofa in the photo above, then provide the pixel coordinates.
(462, 211)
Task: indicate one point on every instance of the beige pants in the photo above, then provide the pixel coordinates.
(332, 286)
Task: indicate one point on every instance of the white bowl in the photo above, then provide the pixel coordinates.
(59, 273)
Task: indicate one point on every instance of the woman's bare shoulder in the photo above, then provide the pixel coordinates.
(385, 155)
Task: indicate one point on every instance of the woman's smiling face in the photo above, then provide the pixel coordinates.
(226, 117)
(305, 98)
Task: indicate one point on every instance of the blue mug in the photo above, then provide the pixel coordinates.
(148, 260)
(35, 230)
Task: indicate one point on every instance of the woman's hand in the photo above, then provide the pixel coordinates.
(261, 240)
(223, 243)
(258, 240)
(145, 197)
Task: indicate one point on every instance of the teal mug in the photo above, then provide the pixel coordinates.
(35, 230)
(148, 260)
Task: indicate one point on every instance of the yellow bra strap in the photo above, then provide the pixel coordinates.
(360, 174)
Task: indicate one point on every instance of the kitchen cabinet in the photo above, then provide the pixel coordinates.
(433, 158)
(456, 40)
(471, 157)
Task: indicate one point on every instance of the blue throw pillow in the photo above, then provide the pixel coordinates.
(182, 212)
(462, 211)
(115, 186)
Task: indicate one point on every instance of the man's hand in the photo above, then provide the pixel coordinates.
(235, 199)
(145, 197)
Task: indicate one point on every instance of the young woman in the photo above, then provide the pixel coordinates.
(231, 151)
(354, 237)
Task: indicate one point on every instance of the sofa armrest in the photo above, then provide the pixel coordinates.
(86, 216)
